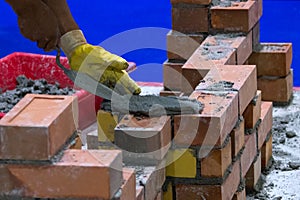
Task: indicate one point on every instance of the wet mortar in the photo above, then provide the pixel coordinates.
(226, 3)
(24, 85)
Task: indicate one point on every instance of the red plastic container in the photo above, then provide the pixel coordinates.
(36, 66)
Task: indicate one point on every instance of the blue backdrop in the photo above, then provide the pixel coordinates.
(118, 26)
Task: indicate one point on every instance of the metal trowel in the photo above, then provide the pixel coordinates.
(149, 105)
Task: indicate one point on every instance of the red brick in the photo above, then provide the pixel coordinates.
(159, 196)
(187, 18)
(143, 139)
(217, 162)
(225, 18)
(266, 153)
(172, 74)
(241, 44)
(266, 122)
(68, 178)
(249, 153)
(200, 2)
(181, 46)
(237, 138)
(128, 189)
(243, 77)
(272, 59)
(276, 89)
(152, 179)
(212, 126)
(240, 195)
(139, 193)
(253, 111)
(253, 174)
(38, 126)
(211, 192)
(255, 36)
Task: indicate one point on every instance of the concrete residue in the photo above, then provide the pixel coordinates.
(151, 105)
(24, 86)
(226, 3)
(270, 47)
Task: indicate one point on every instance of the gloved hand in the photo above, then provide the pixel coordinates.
(37, 22)
(107, 68)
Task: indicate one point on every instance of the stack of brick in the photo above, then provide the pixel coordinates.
(36, 160)
(220, 153)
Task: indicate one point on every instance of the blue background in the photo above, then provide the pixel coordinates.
(101, 20)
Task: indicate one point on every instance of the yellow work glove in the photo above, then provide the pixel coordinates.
(101, 65)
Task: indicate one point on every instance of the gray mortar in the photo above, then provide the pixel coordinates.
(151, 105)
(225, 3)
(269, 48)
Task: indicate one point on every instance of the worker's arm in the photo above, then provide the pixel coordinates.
(95, 61)
(37, 22)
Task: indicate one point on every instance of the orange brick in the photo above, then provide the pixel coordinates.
(266, 153)
(217, 162)
(276, 89)
(266, 122)
(243, 81)
(253, 111)
(143, 140)
(249, 153)
(172, 74)
(221, 192)
(212, 126)
(240, 195)
(128, 189)
(68, 178)
(225, 18)
(253, 174)
(200, 2)
(188, 18)
(38, 126)
(237, 138)
(139, 193)
(181, 46)
(272, 59)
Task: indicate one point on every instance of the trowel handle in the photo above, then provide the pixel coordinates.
(70, 73)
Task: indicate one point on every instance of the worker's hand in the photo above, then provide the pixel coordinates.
(103, 66)
(38, 23)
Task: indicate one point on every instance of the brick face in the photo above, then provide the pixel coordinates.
(224, 18)
(266, 153)
(272, 59)
(37, 127)
(181, 46)
(237, 138)
(189, 18)
(172, 74)
(266, 122)
(143, 139)
(249, 153)
(68, 177)
(253, 111)
(276, 89)
(212, 126)
(253, 174)
(217, 162)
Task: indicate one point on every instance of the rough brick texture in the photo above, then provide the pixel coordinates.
(253, 174)
(143, 140)
(187, 18)
(225, 18)
(276, 89)
(266, 122)
(266, 153)
(212, 126)
(216, 162)
(172, 74)
(67, 178)
(249, 153)
(38, 126)
(181, 46)
(237, 138)
(272, 59)
(253, 111)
